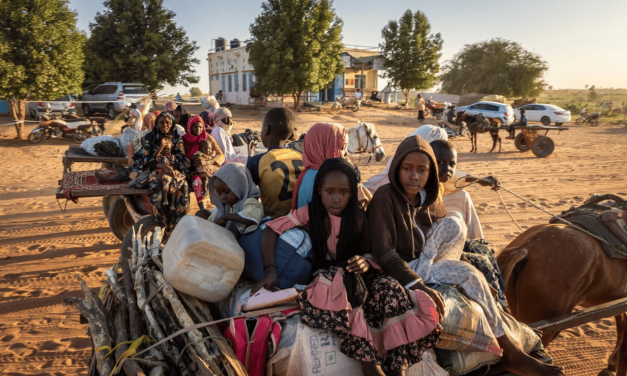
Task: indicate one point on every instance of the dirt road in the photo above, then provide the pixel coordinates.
(41, 247)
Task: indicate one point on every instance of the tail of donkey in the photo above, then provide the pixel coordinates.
(510, 261)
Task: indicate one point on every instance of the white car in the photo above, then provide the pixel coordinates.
(494, 110)
(65, 103)
(545, 113)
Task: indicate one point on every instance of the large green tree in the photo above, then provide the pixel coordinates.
(138, 41)
(295, 46)
(41, 53)
(411, 52)
(497, 66)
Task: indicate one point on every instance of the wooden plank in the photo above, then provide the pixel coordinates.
(74, 154)
(104, 192)
(587, 315)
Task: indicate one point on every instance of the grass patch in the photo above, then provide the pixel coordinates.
(575, 100)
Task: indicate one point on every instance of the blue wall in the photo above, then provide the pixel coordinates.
(4, 107)
(334, 90)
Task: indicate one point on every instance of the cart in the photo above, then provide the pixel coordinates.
(530, 138)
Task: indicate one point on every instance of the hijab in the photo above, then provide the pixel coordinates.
(191, 142)
(430, 133)
(169, 107)
(323, 141)
(351, 239)
(184, 115)
(221, 114)
(207, 117)
(237, 177)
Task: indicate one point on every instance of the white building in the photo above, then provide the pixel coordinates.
(230, 71)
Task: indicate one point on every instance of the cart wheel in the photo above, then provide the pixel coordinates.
(120, 219)
(521, 143)
(106, 204)
(542, 147)
(147, 224)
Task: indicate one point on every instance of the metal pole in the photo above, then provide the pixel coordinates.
(361, 81)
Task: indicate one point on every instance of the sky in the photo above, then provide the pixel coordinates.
(582, 41)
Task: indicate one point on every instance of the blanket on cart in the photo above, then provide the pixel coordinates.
(85, 181)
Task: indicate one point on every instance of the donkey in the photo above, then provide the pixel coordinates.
(480, 124)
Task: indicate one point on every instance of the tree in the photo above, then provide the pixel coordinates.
(295, 46)
(41, 53)
(411, 54)
(497, 66)
(195, 92)
(592, 95)
(138, 41)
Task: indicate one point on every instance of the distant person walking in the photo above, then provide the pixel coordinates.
(219, 96)
(420, 104)
(386, 94)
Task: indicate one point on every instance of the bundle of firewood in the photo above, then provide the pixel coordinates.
(137, 309)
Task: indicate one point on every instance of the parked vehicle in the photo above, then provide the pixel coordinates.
(62, 104)
(585, 117)
(493, 110)
(436, 108)
(112, 97)
(67, 126)
(350, 103)
(544, 113)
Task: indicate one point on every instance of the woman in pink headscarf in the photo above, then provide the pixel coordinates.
(323, 141)
(196, 133)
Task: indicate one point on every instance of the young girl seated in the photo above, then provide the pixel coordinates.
(419, 249)
(379, 322)
(207, 164)
(236, 200)
(170, 177)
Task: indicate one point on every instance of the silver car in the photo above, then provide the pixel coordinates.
(112, 97)
(65, 103)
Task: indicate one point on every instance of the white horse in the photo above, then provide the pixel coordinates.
(362, 139)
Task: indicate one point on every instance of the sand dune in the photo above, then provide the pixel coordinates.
(41, 247)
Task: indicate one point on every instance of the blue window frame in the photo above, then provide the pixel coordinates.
(250, 78)
(244, 82)
(230, 83)
(223, 84)
(235, 78)
(243, 60)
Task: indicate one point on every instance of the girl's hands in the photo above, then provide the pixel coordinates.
(268, 282)
(221, 221)
(434, 295)
(358, 265)
(197, 162)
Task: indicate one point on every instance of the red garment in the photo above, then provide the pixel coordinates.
(323, 141)
(191, 142)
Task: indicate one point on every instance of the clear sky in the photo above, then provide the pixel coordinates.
(584, 42)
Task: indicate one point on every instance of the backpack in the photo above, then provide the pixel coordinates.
(250, 339)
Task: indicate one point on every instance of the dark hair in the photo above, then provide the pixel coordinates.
(522, 111)
(353, 239)
(204, 142)
(444, 144)
(282, 121)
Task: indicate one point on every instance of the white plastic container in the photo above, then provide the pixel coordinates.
(202, 259)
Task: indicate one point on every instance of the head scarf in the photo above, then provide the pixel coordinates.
(220, 114)
(353, 219)
(172, 134)
(323, 141)
(191, 142)
(237, 177)
(430, 133)
(207, 117)
(184, 115)
(169, 107)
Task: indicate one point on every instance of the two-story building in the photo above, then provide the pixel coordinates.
(231, 72)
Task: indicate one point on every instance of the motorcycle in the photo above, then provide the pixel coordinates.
(436, 108)
(585, 117)
(351, 103)
(66, 125)
(461, 131)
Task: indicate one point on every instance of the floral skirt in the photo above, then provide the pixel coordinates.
(393, 328)
(175, 184)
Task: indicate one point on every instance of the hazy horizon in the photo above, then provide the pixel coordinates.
(580, 43)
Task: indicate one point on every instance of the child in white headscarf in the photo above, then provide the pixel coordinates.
(222, 133)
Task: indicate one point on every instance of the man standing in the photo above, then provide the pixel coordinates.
(420, 104)
(386, 94)
(357, 94)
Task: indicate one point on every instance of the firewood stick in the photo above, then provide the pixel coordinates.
(97, 325)
(157, 371)
(232, 365)
(133, 314)
(121, 333)
(117, 289)
(154, 328)
(156, 242)
(185, 320)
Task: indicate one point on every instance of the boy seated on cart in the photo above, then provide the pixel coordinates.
(522, 123)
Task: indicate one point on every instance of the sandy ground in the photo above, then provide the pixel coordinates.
(41, 247)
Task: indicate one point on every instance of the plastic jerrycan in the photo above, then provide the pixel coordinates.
(202, 259)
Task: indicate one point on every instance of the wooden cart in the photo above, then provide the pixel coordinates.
(76, 154)
(531, 138)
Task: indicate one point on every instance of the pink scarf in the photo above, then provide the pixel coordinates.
(191, 142)
(323, 141)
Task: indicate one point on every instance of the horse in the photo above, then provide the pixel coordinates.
(362, 139)
(552, 268)
(480, 124)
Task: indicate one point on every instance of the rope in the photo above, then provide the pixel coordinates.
(534, 205)
(200, 341)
